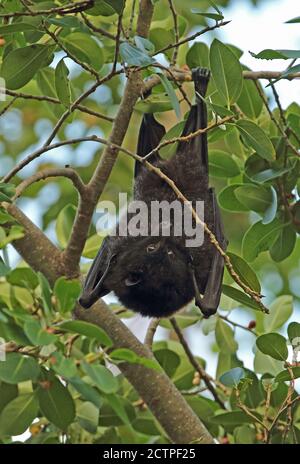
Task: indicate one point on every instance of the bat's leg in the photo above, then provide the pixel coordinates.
(211, 297)
(197, 119)
(150, 134)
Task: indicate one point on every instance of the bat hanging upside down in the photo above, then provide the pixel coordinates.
(156, 275)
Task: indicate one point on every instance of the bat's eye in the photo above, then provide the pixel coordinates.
(152, 247)
(133, 279)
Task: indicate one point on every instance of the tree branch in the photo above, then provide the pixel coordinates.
(164, 400)
(102, 172)
(62, 10)
(37, 250)
(54, 172)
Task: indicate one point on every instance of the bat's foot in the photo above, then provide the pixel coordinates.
(201, 78)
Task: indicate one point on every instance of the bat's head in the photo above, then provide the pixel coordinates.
(150, 275)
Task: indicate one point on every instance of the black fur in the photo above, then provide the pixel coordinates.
(161, 281)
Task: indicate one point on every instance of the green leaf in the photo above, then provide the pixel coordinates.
(228, 200)
(88, 416)
(171, 93)
(197, 56)
(294, 333)
(18, 415)
(156, 103)
(254, 197)
(144, 44)
(215, 16)
(67, 293)
(16, 27)
(62, 83)
(160, 36)
(37, 335)
(106, 7)
(127, 355)
(64, 224)
(20, 65)
(5, 216)
(56, 403)
(225, 337)
(86, 391)
(274, 345)
(240, 297)
(92, 246)
(133, 56)
(169, 150)
(271, 211)
(260, 237)
(65, 367)
(256, 138)
(269, 54)
(84, 48)
(119, 407)
(221, 164)
(231, 418)
(293, 20)
(4, 269)
(249, 101)
(246, 273)
(168, 359)
(46, 293)
(226, 71)
(45, 79)
(15, 232)
(18, 368)
(88, 330)
(270, 174)
(23, 277)
(233, 377)
(284, 244)
(266, 364)
(7, 393)
(102, 377)
(280, 311)
(285, 375)
(244, 435)
(67, 22)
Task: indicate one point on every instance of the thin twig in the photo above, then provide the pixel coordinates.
(191, 37)
(54, 172)
(174, 14)
(97, 29)
(151, 332)
(62, 10)
(45, 98)
(203, 374)
(187, 138)
(235, 324)
(132, 14)
(9, 105)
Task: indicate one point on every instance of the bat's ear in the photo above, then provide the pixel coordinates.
(94, 286)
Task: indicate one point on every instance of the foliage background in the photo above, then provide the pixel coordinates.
(100, 408)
